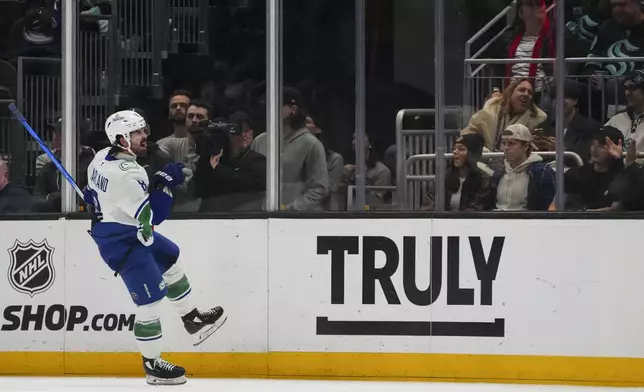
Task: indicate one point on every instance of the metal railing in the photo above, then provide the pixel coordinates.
(98, 80)
(476, 90)
(39, 98)
(9, 139)
(410, 200)
(548, 60)
(188, 20)
(142, 32)
(508, 14)
(501, 15)
(351, 190)
(600, 104)
(411, 142)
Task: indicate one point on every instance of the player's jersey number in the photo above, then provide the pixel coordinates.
(97, 203)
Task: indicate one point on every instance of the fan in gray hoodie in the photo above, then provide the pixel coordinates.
(304, 175)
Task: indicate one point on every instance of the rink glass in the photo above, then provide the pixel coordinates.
(356, 63)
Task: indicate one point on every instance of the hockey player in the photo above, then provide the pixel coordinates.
(125, 208)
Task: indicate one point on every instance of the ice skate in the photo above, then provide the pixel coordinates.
(162, 372)
(203, 324)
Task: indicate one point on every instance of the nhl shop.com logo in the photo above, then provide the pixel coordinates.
(31, 267)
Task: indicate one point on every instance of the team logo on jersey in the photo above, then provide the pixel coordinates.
(621, 49)
(31, 267)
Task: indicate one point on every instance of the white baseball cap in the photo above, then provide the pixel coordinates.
(517, 132)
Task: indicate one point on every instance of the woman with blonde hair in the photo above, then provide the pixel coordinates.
(515, 106)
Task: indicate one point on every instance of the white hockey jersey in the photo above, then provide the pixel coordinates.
(120, 190)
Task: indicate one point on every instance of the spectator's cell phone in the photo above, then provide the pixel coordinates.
(539, 132)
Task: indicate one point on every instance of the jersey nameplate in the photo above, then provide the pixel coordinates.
(99, 181)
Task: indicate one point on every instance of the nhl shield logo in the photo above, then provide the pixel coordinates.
(31, 267)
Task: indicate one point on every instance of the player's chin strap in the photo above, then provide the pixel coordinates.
(129, 146)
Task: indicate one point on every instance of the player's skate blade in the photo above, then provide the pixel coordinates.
(165, 381)
(206, 332)
(161, 372)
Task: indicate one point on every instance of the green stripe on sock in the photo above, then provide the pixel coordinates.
(148, 329)
(176, 290)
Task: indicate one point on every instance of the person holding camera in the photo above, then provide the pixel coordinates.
(229, 175)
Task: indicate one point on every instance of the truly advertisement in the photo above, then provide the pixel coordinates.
(451, 286)
(32, 272)
(390, 285)
(444, 253)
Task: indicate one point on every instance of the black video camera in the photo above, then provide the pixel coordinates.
(211, 138)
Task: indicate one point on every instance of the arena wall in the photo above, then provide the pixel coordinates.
(544, 301)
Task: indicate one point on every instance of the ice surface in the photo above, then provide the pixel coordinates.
(92, 384)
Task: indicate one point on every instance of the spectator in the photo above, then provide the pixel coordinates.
(628, 187)
(629, 122)
(594, 13)
(235, 179)
(377, 174)
(515, 106)
(243, 119)
(305, 179)
(467, 188)
(38, 34)
(334, 165)
(587, 186)
(13, 199)
(579, 131)
(176, 145)
(198, 112)
(48, 179)
(389, 159)
(525, 182)
(531, 37)
(621, 36)
(183, 150)
(54, 129)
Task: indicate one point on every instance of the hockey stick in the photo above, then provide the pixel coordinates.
(46, 149)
